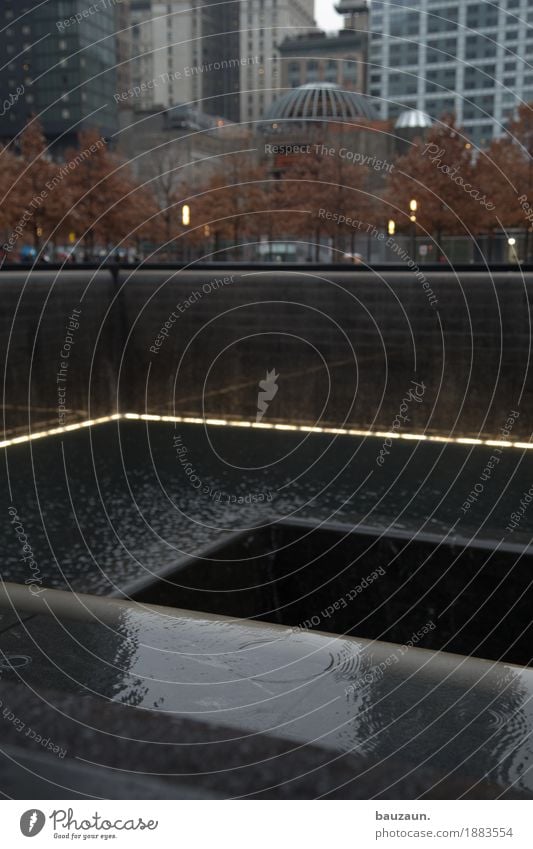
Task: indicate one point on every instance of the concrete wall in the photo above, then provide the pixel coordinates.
(346, 345)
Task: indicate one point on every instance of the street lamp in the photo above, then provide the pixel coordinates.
(391, 227)
(185, 221)
(413, 207)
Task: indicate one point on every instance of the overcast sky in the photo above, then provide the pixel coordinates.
(326, 16)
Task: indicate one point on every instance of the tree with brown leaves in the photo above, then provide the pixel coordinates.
(439, 174)
(100, 186)
(36, 187)
(226, 206)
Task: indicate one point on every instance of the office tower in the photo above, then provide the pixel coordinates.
(59, 64)
(264, 25)
(186, 53)
(142, 54)
(222, 58)
(462, 56)
(162, 47)
(123, 45)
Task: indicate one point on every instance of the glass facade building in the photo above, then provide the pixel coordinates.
(469, 57)
(58, 67)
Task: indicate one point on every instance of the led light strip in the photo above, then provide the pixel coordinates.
(29, 437)
(337, 431)
(418, 437)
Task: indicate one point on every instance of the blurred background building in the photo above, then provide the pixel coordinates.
(58, 68)
(123, 45)
(169, 146)
(264, 24)
(77, 65)
(468, 58)
(186, 52)
(345, 122)
(325, 57)
(223, 57)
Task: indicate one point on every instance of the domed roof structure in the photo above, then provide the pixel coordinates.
(321, 101)
(413, 119)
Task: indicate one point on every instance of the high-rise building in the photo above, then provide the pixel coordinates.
(142, 56)
(467, 57)
(264, 25)
(59, 63)
(186, 52)
(123, 45)
(222, 57)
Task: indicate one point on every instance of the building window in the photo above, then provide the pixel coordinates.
(331, 72)
(312, 70)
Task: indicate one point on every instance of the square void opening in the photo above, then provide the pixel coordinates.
(467, 599)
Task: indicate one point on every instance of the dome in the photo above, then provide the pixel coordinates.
(413, 119)
(321, 102)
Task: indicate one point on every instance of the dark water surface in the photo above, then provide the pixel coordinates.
(103, 506)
